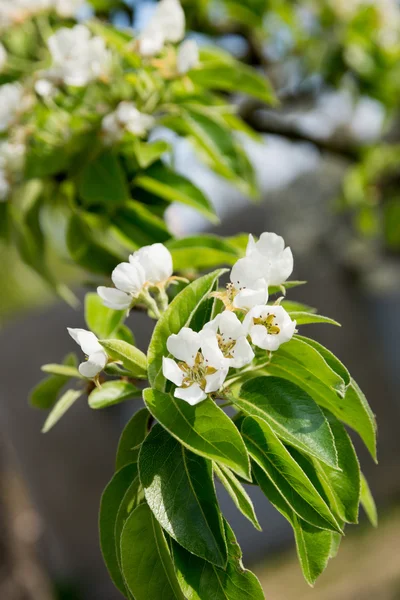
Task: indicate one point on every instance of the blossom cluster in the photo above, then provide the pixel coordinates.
(201, 360)
(16, 11)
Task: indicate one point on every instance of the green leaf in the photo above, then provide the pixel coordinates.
(237, 492)
(61, 407)
(306, 318)
(313, 544)
(291, 307)
(169, 185)
(102, 182)
(138, 226)
(292, 414)
(146, 561)
(101, 320)
(278, 289)
(342, 486)
(44, 394)
(131, 357)
(329, 358)
(148, 153)
(179, 489)
(353, 409)
(272, 456)
(134, 496)
(314, 362)
(368, 502)
(202, 252)
(110, 504)
(132, 437)
(63, 370)
(205, 429)
(200, 580)
(179, 314)
(112, 392)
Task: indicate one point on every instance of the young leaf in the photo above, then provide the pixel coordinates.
(44, 394)
(179, 314)
(146, 561)
(306, 318)
(169, 185)
(131, 357)
(200, 580)
(313, 544)
(237, 492)
(291, 413)
(179, 489)
(330, 358)
(368, 502)
(103, 182)
(61, 407)
(132, 437)
(111, 393)
(101, 320)
(202, 252)
(205, 429)
(110, 504)
(147, 153)
(63, 370)
(268, 451)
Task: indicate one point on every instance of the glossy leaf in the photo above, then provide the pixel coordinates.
(131, 357)
(205, 429)
(101, 320)
(330, 358)
(291, 413)
(173, 187)
(134, 496)
(63, 370)
(200, 580)
(110, 504)
(179, 314)
(237, 492)
(306, 318)
(146, 562)
(272, 456)
(103, 182)
(132, 437)
(111, 393)
(179, 489)
(62, 405)
(368, 502)
(137, 225)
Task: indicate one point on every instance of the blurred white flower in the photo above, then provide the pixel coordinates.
(194, 375)
(67, 8)
(150, 266)
(10, 103)
(269, 326)
(274, 260)
(167, 25)
(44, 88)
(126, 117)
(188, 56)
(3, 57)
(96, 356)
(227, 335)
(78, 57)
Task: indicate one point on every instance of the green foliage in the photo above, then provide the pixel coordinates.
(112, 392)
(133, 359)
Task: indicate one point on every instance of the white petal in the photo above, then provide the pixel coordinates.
(151, 41)
(242, 354)
(129, 277)
(251, 245)
(259, 337)
(86, 340)
(250, 297)
(188, 56)
(245, 272)
(156, 261)
(213, 325)
(281, 268)
(229, 326)
(170, 19)
(184, 345)
(210, 349)
(215, 381)
(192, 395)
(113, 298)
(270, 243)
(172, 372)
(95, 363)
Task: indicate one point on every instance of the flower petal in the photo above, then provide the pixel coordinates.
(210, 349)
(172, 372)
(86, 340)
(113, 298)
(184, 345)
(192, 395)
(156, 261)
(129, 277)
(95, 363)
(215, 381)
(242, 353)
(229, 326)
(250, 297)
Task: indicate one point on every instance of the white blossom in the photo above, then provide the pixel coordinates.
(188, 56)
(44, 88)
(274, 260)
(67, 8)
(78, 57)
(148, 267)
(96, 356)
(248, 287)
(166, 25)
(194, 375)
(231, 338)
(269, 326)
(3, 57)
(10, 103)
(126, 117)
